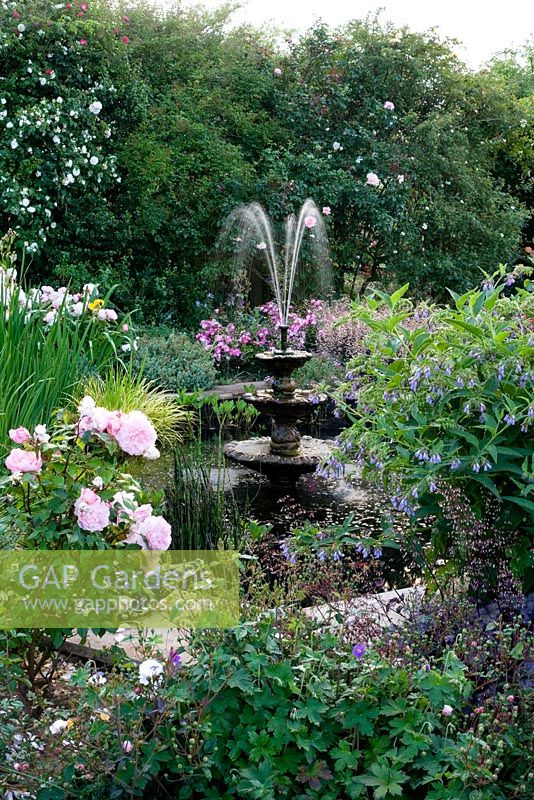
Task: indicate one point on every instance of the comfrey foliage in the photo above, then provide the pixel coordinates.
(450, 401)
(66, 489)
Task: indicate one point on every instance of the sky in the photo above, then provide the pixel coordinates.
(484, 26)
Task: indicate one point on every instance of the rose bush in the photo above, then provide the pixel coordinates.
(66, 489)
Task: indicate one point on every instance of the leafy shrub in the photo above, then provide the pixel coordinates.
(279, 708)
(450, 402)
(140, 131)
(66, 489)
(176, 362)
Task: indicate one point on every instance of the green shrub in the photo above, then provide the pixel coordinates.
(279, 708)
(176, 362)
(444, 398)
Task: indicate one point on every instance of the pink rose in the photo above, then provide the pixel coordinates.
(24, 461)
(114, 422)
(389, 106)
(19, 435)
(327, 211)
(83, 41)
(95, 421)
(277, 72)
(372, 179)
(156, 532)
(310, 221)
(143, 512)
(447, 710)
(107, 315)
(125, 328)
(136, 434)
(91, 512)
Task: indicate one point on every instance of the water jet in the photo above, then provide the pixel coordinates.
(285, 455)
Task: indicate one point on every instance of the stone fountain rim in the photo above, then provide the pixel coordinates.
(283, 355)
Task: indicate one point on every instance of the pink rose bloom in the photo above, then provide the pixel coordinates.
(24, 461)
(107, 315)
(447, 711)
(136, 434)
(152, 453)
(91, 512)
(327, 211)
(125, 40)
(95, 421)
(50, 317)
(125, 328)
(83, 41)
(143, 512)
(114, 422)
(77, 309)
(277, 72)
(372, 179)
(19, 435)
(389, 106)
(310, 221)
(156, 532)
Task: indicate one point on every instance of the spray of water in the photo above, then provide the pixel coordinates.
(251, 231)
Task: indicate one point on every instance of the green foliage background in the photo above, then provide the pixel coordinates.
(194, 121)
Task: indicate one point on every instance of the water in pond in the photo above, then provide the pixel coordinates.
(313, 499)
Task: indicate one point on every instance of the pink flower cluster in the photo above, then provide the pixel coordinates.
(23, 461)
(132, 431)
(94, 514)
(222, 341)
(227, 341)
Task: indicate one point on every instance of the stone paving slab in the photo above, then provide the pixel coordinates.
(384, 608)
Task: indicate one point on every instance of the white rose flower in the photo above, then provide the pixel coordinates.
(58, 726)
(149, 670)
(95, 107)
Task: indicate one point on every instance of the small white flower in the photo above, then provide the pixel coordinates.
(21, 27)
(95, 107)
(152, 453)
(149, 670)
(98, 482)
(14, 144)
(9, 124)
(40, 433)
(93, 161)
(58, 726)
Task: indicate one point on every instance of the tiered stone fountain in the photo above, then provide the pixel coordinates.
(285, 455)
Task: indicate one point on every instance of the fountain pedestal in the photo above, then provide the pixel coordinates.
(284, 456)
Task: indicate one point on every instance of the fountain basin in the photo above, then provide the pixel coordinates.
(257, 454)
